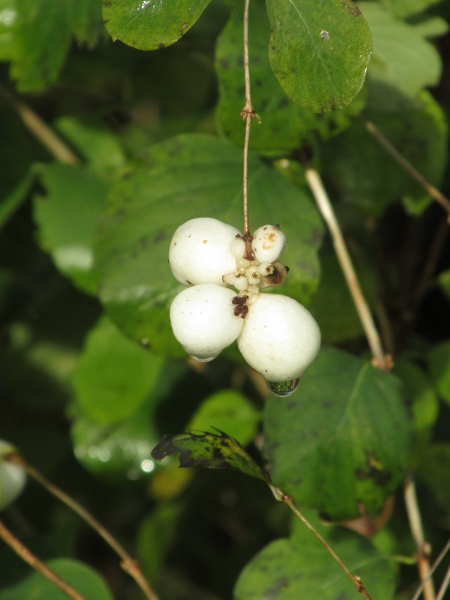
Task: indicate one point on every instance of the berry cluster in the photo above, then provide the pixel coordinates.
(276, 335)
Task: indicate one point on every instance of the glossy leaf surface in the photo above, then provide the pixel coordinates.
(150, 24)
(319, 51)
(341, 443)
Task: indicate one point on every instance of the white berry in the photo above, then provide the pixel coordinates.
(203, 320)
(268, 243)
(200, 251)
(280, 338)
(12, 477)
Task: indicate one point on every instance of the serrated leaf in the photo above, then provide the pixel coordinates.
(417, 129)
(319, 51)
(148, 25)
(114, 375)
(341, 442)
(84, 579)
(439, 367)
(210, 451)
(68, 217)
(283, 124)
(37, 21)
(300, 567)
(402, 58)
(185, 177)
(230, 411)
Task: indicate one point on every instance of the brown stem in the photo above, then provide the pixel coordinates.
(403, 162)
(46, 136)
(26, 555)
(436, 563)
(326, 209)
(290, 503)
(422, 548)
(128, 563)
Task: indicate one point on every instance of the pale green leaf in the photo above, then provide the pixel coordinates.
(114, 375)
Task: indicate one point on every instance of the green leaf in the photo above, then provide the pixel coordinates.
(230, 411)
(402, 58)
(68, 217)
(185, 177)
(150, 25)
(16, 198)
(38, 21)
(433, 470)
(84, 579)
(300, 567)
(341, 442)
(417, 129)
(444, 282)
(116, 451)
(439, 367)
(210, 451)
(404, 8)
(283, 124)
(319, 51)
(98, 145)
(8, 16)
(425, 405)
(114, 375)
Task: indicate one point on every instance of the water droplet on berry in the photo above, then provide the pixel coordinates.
(283, 388)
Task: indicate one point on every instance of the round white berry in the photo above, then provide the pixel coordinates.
(268, 243)
(12, 477)
(280, 338)
(203, 320)
(200, 251)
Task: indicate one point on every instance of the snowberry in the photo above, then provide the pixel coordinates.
(268, 243)
(204, 321)
(280, 338)
(200, 251)
(12, 477)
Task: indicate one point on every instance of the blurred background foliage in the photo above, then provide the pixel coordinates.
(90, 374)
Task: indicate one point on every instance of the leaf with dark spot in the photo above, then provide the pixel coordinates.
(210, 451)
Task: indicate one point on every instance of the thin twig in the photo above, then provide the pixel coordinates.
(46, 136)
(26, 555)
(279, 495)
(444, 586)
(422, 548)
(435, 565)
(128, 563)
(402, 161)
(325, 207)
(247, 115)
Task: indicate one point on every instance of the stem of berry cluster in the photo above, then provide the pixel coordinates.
(247, 115)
